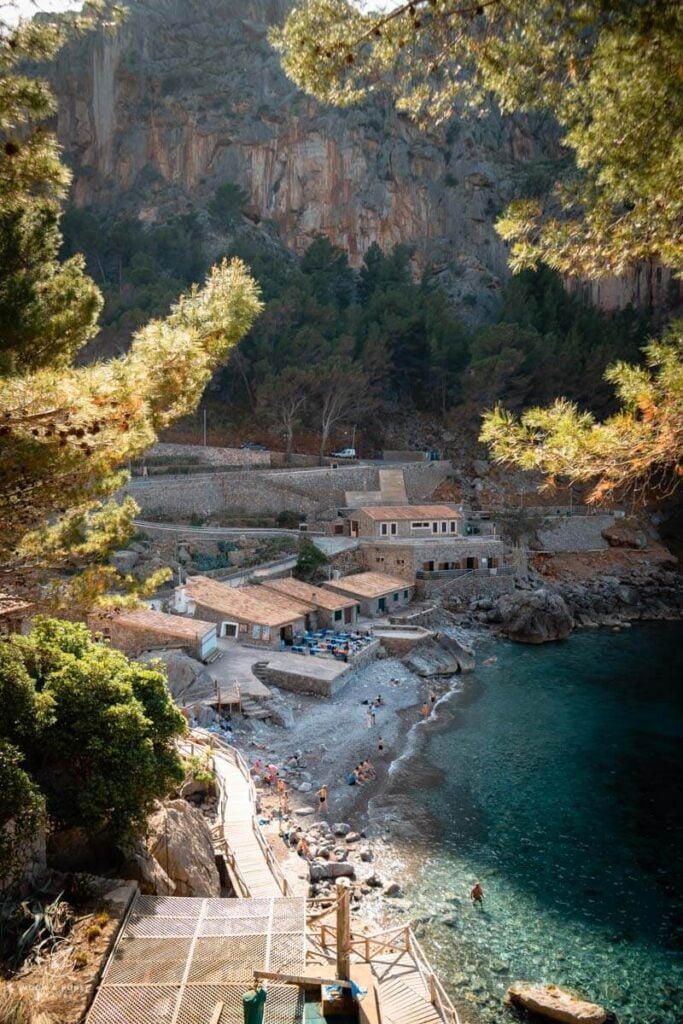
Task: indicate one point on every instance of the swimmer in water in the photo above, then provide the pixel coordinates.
(477, 894)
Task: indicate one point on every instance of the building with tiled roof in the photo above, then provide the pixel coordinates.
(136, 630)
(332, 609)
(375, 592)
(256, 614)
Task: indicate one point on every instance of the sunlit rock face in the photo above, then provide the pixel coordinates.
(187, 95)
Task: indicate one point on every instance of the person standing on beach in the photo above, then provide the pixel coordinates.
(373, 714)
(425, 711)
(322, 800)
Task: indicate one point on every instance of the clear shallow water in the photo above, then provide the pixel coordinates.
(561, 791)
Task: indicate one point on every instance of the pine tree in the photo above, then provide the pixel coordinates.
(66, 430)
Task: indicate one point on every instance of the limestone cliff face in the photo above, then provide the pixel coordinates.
(188, 94)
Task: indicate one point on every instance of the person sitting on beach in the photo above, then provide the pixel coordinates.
(425, 710)
(380, 744)
(256, 768)
(379, 703)
(322, 799)
(477, 894)
(432, 696)
(303, 849)
(369, 769)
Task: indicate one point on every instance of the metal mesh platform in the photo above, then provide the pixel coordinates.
(176, 959)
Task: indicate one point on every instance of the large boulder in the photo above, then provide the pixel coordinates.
(623, 534)
(188, 679)
(180, 841)
(554, 1003)
(141, 866)
(331, 869)
(534, 617)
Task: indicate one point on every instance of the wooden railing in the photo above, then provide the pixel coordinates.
(399, 939)
(233, 755)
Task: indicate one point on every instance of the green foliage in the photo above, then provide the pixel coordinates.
(289, 520)
(638, 448)
(103, 754)
(226, 204)
(546, 342)
(309, 561)
(67, 430)
(22, 810)
(608, 72)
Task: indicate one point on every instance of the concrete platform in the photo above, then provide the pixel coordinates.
(301, 673)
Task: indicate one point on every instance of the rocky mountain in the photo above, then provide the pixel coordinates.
(187, 95)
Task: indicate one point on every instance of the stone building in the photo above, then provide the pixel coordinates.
(409, 522)
(374, 592)
(15, 615)
(142, 629)
(332, 610)
(254, 614)
(419, 559)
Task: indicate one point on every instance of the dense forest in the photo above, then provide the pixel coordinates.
(335, 345)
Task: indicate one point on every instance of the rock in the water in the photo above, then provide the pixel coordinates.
(534, 617)
(180, 840)
(393, 889)
(554, 1003)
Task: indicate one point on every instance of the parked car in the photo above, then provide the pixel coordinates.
(253, 446)
(345, 453)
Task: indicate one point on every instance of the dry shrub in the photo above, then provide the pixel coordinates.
(15, 1008)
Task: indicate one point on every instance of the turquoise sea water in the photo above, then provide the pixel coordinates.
(557, 783)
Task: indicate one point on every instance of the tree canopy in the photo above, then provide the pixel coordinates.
(67, 430)
(608, 72)
(639, 448)
(84, 732)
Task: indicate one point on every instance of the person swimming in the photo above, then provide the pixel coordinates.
(477, 894)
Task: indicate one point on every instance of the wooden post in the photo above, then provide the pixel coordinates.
(406, 938)
(343, 929)
(432, 988)
(218, 699)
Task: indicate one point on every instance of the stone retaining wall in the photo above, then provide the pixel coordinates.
(267, 492)
(466, 587)
(575, 533)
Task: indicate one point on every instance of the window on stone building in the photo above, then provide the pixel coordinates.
(338, 615)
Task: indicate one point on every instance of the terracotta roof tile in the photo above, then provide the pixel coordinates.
(413, 512)
(368, 584)
(148, 620)
(247, 604)
(314, 595)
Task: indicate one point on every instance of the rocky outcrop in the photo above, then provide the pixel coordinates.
(181, 843)
(461, 654)
(552, 1003)
(622, 534)
(534, 617)
(188, 679)
(177, 857)
(182, 98)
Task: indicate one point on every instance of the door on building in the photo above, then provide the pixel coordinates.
(354, 527)
(287, 635)
(428, 566)
(472, 563)
(348, 615)
(382, 604)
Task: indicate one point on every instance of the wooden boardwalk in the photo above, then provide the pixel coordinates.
(249, 857)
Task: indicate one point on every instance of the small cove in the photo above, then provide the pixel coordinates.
(554, 777)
